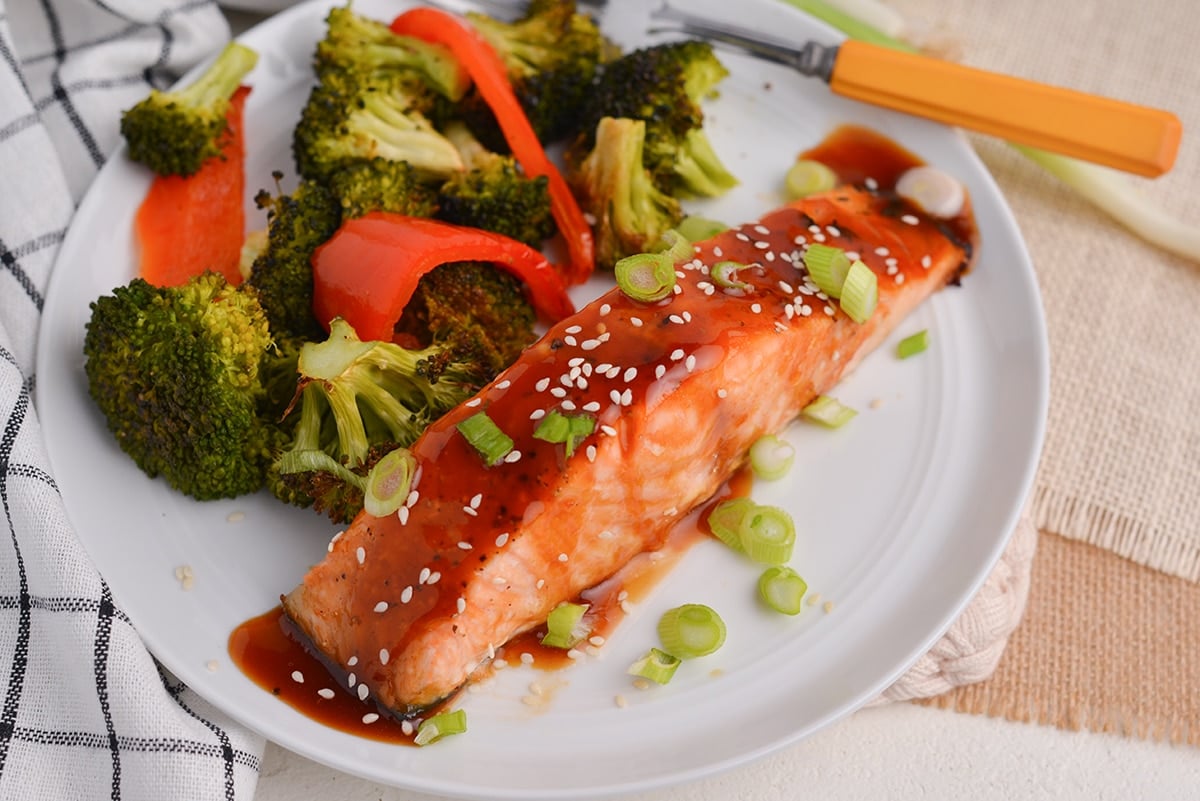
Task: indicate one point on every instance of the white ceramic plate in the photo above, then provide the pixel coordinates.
(907, 508)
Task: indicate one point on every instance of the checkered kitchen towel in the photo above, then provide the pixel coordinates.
(85, 712)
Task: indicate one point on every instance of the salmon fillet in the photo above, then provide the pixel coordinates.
(415, 603)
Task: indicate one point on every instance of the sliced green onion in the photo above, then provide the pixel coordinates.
(913, 344)
(936, 192)
(675, 246)
(768, 535)
(698, 229)
(388, 482)
(782, 589)
(827, 266)
(441, 725)
(849, 24)
(564, 627)
(827, 411)
(557, 427)
(807, 177)
(725, 520)
(860, 292)
(486, 437)
(646, 277)
(724, 275)
(658, 666)
(771, 457)
(691, 630)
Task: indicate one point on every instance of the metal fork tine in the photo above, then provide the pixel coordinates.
(812, 59)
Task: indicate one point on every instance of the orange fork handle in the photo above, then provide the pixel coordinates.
(1126, 136)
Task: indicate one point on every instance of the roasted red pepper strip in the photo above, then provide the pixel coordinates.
(491, 78)
(189, 225)
(368, 270)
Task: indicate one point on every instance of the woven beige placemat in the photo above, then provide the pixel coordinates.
(1121, 467)
(1105, 645)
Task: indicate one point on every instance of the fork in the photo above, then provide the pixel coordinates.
(1129, 137)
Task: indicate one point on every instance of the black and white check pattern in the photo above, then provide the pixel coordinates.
(85, 711)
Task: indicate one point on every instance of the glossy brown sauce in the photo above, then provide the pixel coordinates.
(382, 561)
(269, 650)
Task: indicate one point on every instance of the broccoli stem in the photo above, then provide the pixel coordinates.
(221, 79)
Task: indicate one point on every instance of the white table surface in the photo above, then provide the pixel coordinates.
(897, 752)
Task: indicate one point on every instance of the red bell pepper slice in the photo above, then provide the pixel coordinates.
(189, 225)
(368, 270)
(491, 78)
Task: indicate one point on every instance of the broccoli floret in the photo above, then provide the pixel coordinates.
(664, 85)
(494, 194)
(174, 132)
(613, 184)
(476, 311)
(381, 185)
(368, 47)
(282, 273)
(552, 54)
(349, 118)
(356, 402)
(175, 372)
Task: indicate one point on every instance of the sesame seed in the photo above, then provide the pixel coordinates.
(536, 414)
(605, 309)
(297, 677)
(473, 402)
(786, 287)
(590, 344)
(629, 375)
(406, 594)
(770, 255)
(620, 701)
(412, 499)
(926, 262)
(407, 727)
(677, 354)
(609, 430)
(690, 363)
(562, 557)
(799, 239)
(573, 329)
(660, 371)
(570, 340)
(567, 379)
(677, 289)
(402, 513)
(760, 245)
(742, 237)
(461, 605)
(909, 219)
(381, 607)
(870, 183)
(899, 279)
(789, 311)
(627, 397)
(762, 229)
(721, 393)
(424, 577)
(576, 361)
(614, 396)
(540, 583)
(574, 653)
(568, 405)
(505, 384)
(675, 318)
(558, 392)
(606, 535)
(542, 383)
(499, 581)
(805, 310)
(476, 499)
(470, 511)
(612, 372)
(434, 577)
(361, 554)
(814, 229)
(818, 237)
(527, 658)
(833, 230)
(325, 693)
(370, 718)
(852, 255)
(756, 307)
(830, 310)
(384, 656)
(591, 406)
(882, 251)
(351, 680)
(363, 692)
(352, 661)
(591, 453)
(503, 538)
(686, 315)
(466, 546)
(636, 322)
(718, 252)
(512, 457)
